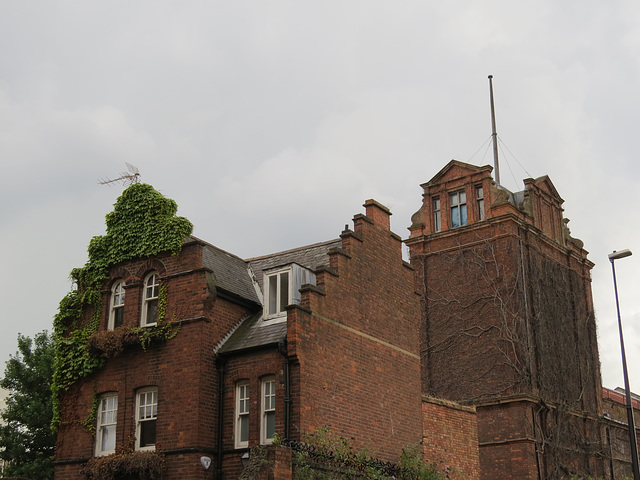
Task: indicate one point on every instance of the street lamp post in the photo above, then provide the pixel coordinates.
(632, 429)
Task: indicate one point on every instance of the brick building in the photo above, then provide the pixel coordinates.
(483, 347)
(616, 432)
(319, 336)
(508, 322)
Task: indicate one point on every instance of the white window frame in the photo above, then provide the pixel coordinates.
(437, 214)
(107, 420)
(243, 399)
(480, 202)
(150, 293)
(280, 310)
(116, 303)
(267, 408)
(456, 201)
(146, 412)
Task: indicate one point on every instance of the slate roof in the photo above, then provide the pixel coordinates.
(253, 332)
(231, 273)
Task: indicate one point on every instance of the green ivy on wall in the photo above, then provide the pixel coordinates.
(143, 223)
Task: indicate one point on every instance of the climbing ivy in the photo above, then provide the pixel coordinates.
(89, 423)
(143, 223)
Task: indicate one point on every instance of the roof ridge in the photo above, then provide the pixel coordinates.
(208, 244)
(306, 247)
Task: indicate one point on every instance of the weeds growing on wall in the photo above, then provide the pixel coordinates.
(326, 456)
(143, 223)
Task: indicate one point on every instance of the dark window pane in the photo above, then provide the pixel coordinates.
(273, 294)
(270, 424)
(244, 428)
(118, 317)
(455, 220)
(147, 433)
(152, 311)
(284, 290)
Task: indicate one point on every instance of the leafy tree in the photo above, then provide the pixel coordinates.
(26, 435)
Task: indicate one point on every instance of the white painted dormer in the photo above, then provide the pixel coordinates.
(282, 288)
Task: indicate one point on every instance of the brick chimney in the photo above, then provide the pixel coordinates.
(378, 213)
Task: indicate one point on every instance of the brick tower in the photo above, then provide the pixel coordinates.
(508, 321)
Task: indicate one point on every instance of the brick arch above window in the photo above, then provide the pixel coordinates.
(150, 265)
(252, 373)
(122, 273)
(114, 280)
(104, 387)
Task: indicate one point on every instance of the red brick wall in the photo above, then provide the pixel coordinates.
(252, 367)
(355, 339)
(506, 441)
(188, 466)
(614, 406)
(471, 314)
(450, 437)
(515, 308)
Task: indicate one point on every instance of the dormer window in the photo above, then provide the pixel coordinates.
(150, 300)
(116, 313)
(282, 288)
(278, 293)
(458, 206)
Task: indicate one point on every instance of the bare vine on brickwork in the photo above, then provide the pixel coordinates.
(475, 303)
(521, 326)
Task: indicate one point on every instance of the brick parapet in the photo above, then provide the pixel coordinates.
(356, 347)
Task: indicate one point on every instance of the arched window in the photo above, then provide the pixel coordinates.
(116, 312)
(150, 299)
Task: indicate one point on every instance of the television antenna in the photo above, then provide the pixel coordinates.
(127, 178)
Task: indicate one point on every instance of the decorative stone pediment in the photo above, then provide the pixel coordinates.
(455, 170)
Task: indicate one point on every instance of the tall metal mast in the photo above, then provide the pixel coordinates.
(494, 134)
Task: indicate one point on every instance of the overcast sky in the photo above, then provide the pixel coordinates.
(270, 123)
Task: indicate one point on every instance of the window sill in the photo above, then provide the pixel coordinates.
(104, 454)
(150, 448)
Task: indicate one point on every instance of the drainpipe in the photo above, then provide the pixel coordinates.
(608, 432)
(282, 348)
(221, 366)
(535, 442)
